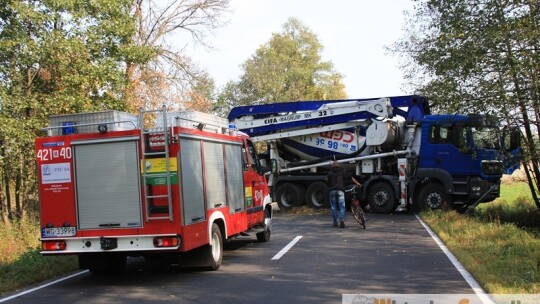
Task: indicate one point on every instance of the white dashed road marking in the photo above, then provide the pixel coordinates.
(42, 286)
(287, 248)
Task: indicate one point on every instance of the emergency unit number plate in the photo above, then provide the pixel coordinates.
(60, 231)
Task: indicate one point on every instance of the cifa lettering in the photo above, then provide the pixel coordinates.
(270, 121)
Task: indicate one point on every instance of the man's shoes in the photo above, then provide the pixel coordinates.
(334, 225)
(341, 224)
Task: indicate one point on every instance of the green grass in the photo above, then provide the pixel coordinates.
(503, 258)
(514, 206)
(31, 268)
(499, 244)
(21, 265)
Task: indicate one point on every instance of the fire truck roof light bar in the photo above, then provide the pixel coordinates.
(50, 129)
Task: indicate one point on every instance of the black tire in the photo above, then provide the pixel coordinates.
(433, 196)
(358, 215)
(214, 251)
(289, 195)
(381, 198)
(317, 195)
(264, 236)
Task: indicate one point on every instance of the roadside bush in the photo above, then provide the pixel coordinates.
(20, 262)
(18, 238)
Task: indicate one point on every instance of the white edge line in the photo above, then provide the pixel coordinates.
(466, 275)
(286, 248)
(42, 286)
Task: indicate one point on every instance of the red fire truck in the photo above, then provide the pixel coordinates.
(157, 184)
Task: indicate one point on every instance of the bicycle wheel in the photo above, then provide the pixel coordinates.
(358, 214)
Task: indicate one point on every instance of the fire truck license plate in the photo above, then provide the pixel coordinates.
(60, 231)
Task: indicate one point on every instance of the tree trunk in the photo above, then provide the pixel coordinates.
(7, 196)
(534, 174)
(3, 214)
(18, 197)
(531, 185)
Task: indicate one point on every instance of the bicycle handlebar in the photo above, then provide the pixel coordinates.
(353, 189)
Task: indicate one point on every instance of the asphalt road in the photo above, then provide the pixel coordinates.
(395, 254)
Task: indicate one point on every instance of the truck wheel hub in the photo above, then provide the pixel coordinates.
(381, 198)
(434, 200)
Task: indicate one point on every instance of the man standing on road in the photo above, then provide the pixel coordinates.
(336, 182)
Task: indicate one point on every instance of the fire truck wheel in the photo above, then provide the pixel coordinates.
(317, 195)
(264, 236)
(214, 250)
(289, 195)
(433, 196)
(381, 198)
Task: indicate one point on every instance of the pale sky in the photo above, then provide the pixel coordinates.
(352, 32)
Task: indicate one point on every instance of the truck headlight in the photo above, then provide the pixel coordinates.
(492, 167)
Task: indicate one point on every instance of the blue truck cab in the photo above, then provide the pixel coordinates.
(461, 160)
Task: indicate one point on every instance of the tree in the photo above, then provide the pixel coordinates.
(480, 56)
(56, 57)
(201, 94)
(228, 97)
(65, 56)
(287, 68)
(169, 76)
(68, 56)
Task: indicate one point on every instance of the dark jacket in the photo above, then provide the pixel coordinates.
(336, 178)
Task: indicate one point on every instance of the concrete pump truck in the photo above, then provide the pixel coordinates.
(436, 161)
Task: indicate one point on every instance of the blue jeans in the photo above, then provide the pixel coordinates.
(337, 200)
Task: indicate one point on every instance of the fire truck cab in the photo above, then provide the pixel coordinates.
(157, 184)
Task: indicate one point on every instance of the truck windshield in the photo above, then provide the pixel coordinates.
(485, 137)
(465, 136)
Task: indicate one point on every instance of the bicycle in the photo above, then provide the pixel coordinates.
(356, 209)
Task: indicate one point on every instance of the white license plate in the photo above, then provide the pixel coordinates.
(60, 231)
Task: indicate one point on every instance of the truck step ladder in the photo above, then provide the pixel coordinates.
(146, 132)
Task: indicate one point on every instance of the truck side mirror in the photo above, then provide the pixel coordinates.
(515, 139)
(511, 139)
(274, 166)
(263, 166)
